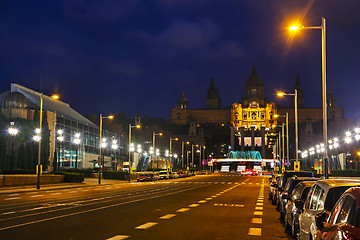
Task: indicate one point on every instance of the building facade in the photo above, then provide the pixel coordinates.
(65, 125)
(252, 120)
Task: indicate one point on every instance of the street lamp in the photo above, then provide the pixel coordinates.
(287, 132)
(60, 139)
(77, 142)
(39, 134)
(281, 94)
(157, 161)
(323, 63)
(130, 127)
(182, 153)
(13, 132)
(101, 163)
(171, 139)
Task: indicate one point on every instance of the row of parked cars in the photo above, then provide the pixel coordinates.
(146, 177)
(313, 208)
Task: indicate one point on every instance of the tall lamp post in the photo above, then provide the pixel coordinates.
(182, 153)
(39, 134)
(130, 127)
(100, 145)
(77, 142)
(287, 133)
(155, 134)
(60, 139)
(172, 139)
(280, 94)
(13, 132)
(323, 63)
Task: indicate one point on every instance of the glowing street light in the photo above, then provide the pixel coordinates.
(323, 63)
(281, 94)
(101, 162)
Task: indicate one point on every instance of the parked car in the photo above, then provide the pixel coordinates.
(344, 220)
(142, 177)
(163, 175)
(286, 194)
(283, 180)
(322, 197)
(292, 213)
(273, 181)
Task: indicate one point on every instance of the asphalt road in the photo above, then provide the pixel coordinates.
(217, 206)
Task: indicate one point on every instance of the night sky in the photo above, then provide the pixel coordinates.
(136, 56)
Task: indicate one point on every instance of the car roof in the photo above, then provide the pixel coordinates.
(329, 183)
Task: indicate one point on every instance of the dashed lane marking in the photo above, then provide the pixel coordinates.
(259, 204)
(208, 198)
(146, 225)
(227, 205)
(202, 201)
(258, 213)
(6, 213)
(14, 198)
(259, 208)
(119, 237)
(256, 220)
(254, 231)
(37, 196)
(168, 216)
(194, 205)
(214, 196)
(183, 209)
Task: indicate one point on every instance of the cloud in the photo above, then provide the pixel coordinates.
(100, 10)
(125, 69)
(199, 40)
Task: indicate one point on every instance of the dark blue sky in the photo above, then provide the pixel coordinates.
(136, 56)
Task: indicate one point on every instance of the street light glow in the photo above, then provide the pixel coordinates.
(55, 97)
(294, 28)
(280, 94)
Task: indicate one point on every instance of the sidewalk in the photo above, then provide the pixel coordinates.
(88, 182)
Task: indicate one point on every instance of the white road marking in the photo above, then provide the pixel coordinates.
(55, 193)
(259, 208)
(37, 196)
(7, 213)
(168, 216)
(146, 225)
(202, 201)
(258, 213)
(11, 198)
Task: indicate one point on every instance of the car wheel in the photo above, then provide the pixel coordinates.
(286, 224)
(295, 231)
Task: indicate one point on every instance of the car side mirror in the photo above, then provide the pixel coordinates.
(299, 204)
(320, 220)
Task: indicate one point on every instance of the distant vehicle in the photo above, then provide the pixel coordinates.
(143, 178)
(344, 220)
(273, 181)
(180, 174)
(163, 175)
(322, 197)
(252, 172)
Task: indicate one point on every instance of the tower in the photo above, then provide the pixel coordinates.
(300, 94)
(254, 90)
(213, 100)
(182, 102)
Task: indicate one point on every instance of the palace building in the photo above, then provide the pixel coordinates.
(252, 121)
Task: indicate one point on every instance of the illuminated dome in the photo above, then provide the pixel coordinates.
(15, 100)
